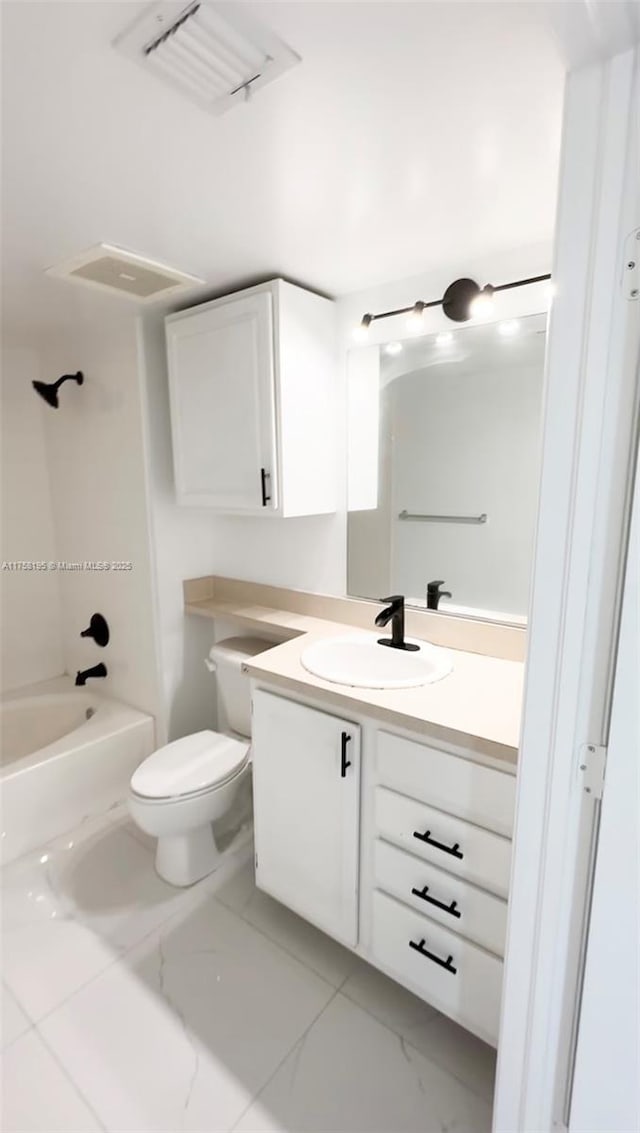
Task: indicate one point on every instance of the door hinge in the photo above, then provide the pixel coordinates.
(592, 767)
(631, 269)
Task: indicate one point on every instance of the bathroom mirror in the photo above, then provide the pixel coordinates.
(444, 462)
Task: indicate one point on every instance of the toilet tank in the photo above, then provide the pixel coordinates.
(234, 696)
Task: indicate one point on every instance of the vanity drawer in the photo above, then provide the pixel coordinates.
(450, 843)
(448, 782)
(457, 977)
(451, 902)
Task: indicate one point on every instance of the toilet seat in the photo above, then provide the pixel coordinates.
(190, 766)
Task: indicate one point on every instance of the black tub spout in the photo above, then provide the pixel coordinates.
(99, 670)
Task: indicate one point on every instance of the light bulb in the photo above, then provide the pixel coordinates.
(361, 332)
(509, 328)
(481, 307)
(415, 320)
(393, 348)
(445, 338)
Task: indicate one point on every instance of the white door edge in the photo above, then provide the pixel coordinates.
(591, 402)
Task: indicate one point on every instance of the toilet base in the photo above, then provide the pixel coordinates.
(183, 859)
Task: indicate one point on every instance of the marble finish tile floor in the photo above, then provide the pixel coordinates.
(129, 1006)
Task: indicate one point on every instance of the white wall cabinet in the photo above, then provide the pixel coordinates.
(306, 781)
(403, 855)
(252, 381)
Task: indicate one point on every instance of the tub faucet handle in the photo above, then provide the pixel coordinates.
(97, 629)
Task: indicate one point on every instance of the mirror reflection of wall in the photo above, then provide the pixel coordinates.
(443, 430)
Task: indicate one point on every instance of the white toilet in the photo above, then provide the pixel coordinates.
(180, 790)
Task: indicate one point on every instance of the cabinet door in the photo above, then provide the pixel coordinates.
(306, 777)
(222, 404)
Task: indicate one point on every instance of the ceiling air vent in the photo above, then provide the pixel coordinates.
(216, 54)
(112, 269)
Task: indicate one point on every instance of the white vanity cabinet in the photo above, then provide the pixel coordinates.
(306, 783)
(405, 857)
(252, 381)
(440, 831)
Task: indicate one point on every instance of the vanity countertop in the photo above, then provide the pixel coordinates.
(477, 707)
(254, 617)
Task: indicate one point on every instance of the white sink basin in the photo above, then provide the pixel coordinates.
(358, 660)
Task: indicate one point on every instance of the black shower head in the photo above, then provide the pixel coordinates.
(49, 391)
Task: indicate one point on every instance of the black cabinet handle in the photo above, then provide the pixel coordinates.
(264, 476)
(344, 762)
(423, 894)
(426, 837)
(446, 964)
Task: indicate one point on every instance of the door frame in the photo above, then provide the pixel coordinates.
(590, 432)
(606, 1087)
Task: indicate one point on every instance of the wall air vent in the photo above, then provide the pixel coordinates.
(217, 54)
(113, 269)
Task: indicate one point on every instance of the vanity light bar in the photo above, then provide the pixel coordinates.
(456, 302)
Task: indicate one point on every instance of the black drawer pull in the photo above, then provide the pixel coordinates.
(455, 851)
(264, 476)
(344, 762)
(446, 964)
(423, 895)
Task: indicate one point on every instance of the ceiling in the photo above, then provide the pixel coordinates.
(412, 134)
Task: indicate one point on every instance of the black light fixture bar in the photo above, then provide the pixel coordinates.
(406, 310)
(522, 282)
(421, 306)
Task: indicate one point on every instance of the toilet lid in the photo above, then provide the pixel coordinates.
(205, 759)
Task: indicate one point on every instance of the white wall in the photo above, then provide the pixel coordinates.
(306, 553)
(31, 620)
(467, 442)
(183, 547)
(368, 477)
(98, 483)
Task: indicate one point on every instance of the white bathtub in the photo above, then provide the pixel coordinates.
(65, 754)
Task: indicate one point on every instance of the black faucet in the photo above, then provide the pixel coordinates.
(99, 670)
(394, 614)
(434, 593)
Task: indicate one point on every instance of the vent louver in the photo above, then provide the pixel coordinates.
(215, 53)
(113, 269)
